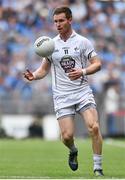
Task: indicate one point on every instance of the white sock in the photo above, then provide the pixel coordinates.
(97, 161)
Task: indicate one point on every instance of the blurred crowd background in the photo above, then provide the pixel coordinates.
(23, 21)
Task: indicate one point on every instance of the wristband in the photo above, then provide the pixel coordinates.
(84, 72)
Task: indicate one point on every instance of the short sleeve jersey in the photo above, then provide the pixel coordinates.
(74, 53)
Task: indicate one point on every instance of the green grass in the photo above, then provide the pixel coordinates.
(35, 158)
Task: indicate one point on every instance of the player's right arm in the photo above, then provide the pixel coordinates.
(40, 73)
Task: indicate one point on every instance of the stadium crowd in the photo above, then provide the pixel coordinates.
(22, 22)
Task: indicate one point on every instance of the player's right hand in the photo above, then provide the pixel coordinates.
(28, 75)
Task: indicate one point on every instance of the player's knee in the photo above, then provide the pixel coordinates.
(67, 136)
(94, 129)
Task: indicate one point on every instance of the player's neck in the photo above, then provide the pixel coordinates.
(66, 36)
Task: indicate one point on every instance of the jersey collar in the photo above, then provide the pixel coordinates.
(72, 35)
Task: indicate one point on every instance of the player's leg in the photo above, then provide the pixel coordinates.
(90, 117)
(66, 124)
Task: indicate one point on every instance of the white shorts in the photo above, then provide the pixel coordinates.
(71, 111)
(84, 95)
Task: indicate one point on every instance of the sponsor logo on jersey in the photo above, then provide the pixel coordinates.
(67, 63)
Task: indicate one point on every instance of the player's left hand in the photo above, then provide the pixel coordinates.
(75, 73)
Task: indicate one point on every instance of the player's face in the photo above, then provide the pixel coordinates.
(62, 24)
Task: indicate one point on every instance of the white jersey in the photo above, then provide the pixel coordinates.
(74, 53)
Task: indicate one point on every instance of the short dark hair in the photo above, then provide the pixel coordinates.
(63, 9)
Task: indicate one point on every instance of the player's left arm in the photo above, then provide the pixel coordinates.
(95, 65)
(95, 62)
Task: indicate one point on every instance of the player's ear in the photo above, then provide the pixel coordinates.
(70, 20)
